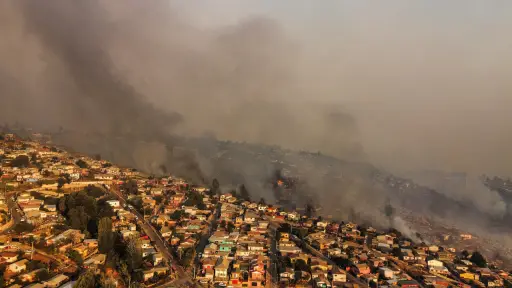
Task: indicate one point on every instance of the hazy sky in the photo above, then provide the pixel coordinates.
(429, 80)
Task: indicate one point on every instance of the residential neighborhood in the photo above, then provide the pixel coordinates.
(75, 220)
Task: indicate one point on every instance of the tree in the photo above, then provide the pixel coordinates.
(187, 257)
(86, 280)
(176, 215)
(33, 158)
(23, 227)
(105, 235)
(301, 265)
(215, 186)
(125, 272)
(76, 257)
(262, 201)
(81, 163)
(60, 182)
(22, 161)
(230, 227)
(478, 259)
(106, 281)
(134, 250)
(78, 218)
(2, 280)
(43, 275)
(244, 194)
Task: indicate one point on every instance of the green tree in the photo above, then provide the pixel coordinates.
(81, 163)
(22, 161)
(23, 227)
(176, 215)
(86, 280)
(2, 280)
(105, 235)
(43, 275)
(106, 281)
(78, 218)
(301, 265)
(125, 271)
(76, 257)
(187, 257)
(230, 227)
(134, 250)
(60, 182)
(478, 259)
(244, 194)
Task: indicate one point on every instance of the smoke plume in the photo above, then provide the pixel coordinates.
(131, 80)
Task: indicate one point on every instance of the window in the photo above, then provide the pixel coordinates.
(254, 284)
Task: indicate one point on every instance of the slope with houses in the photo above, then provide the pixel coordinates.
(69, 219)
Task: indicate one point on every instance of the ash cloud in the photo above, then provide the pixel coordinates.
(391, 88)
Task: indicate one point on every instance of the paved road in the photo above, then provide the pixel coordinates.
(350, 277)
(160, 244)
(16, 216)
(306, 246)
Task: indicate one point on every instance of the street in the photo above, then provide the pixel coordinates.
(15, 215)
(160, 244)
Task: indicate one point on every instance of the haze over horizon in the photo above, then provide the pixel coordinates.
(424, 82)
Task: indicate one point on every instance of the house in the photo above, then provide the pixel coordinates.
(221, 270)
(166, 232)
(8, 257)
(361, 269)
(30, 276)
(95, 261)
(157, 258)
(114, 203)
(339, 276)
(56, 281)
(148, 274)
(250, 218)
(386, 273)
(434, 263)
(289, 273)
(18, 267)
(469, 276)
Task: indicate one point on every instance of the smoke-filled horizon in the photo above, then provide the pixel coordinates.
(412, 86)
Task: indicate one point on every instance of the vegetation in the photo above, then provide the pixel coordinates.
(130, 187)
(478, 259)
(105, 235)
(23, 227)
(21, 161)
(86, 280)
(84, 211)
(76, 257)
(187, 256)
(81, 163)
(195, 199)
(134, 251)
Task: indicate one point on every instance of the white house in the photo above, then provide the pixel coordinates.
(114, 203)
(19, 266)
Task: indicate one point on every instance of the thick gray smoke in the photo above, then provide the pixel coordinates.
(127, 75)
